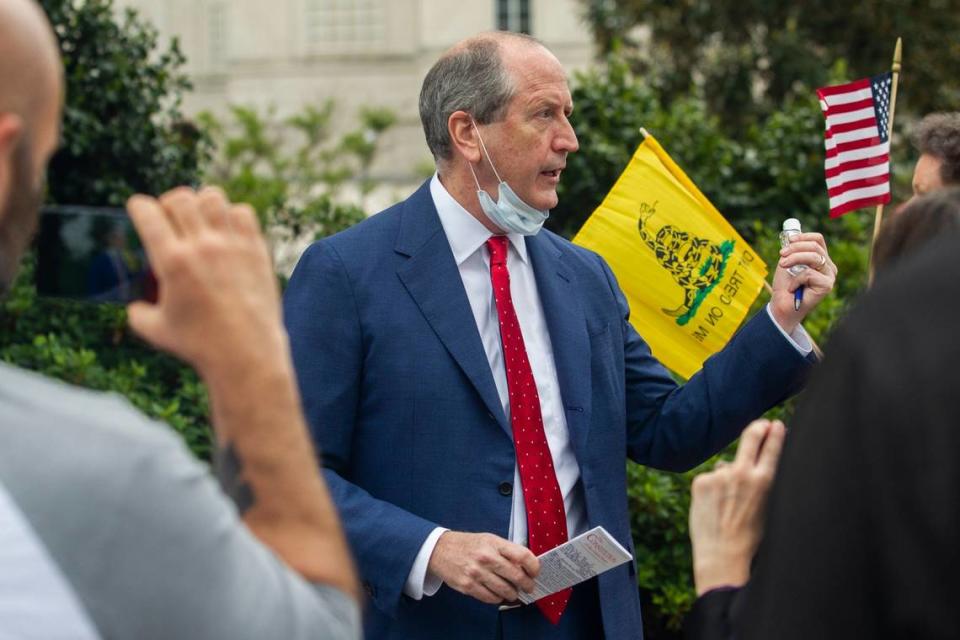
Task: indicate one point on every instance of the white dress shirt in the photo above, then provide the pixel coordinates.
(467, 238)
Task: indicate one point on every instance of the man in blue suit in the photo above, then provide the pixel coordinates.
(447, 342)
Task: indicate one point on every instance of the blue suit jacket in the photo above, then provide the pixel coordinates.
(403, 406)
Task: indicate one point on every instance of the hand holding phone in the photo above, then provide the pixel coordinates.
(219, 304)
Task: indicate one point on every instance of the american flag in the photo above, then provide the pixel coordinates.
(857, 162)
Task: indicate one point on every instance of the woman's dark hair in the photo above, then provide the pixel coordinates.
(917, 224)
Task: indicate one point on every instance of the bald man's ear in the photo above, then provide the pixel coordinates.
(11, 130)
(463, 136)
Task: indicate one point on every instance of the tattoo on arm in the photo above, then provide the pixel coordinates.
(229, 471)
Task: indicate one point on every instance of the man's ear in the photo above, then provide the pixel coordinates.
(463, 136)
(11, 130)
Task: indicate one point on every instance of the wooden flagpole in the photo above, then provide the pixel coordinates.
(878, 218)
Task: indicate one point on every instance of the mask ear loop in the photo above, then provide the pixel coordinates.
(484, 147)
(474, 174)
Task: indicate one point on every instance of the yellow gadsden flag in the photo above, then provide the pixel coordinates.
(688, 275)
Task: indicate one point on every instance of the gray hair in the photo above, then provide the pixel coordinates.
(470, 78)
(938, 135)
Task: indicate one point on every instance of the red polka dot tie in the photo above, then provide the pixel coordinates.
(546, 519)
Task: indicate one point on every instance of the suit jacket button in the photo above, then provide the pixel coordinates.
(505, 489)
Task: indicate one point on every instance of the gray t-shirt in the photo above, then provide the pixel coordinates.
(140, 529)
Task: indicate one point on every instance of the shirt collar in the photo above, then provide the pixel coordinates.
(465, 233)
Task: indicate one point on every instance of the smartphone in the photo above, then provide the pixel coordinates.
(92, 254)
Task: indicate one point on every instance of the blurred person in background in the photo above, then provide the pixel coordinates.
(937, 139)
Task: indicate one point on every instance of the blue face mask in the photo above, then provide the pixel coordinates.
(509, 212)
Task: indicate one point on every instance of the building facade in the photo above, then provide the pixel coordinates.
(289, 53)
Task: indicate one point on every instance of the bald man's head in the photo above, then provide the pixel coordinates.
(29, 58)
(31, 95)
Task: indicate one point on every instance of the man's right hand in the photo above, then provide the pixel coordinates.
(219, 304)
(483, 566)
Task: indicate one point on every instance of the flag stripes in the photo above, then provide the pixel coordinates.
(836, 163)
(841, 193)
(853, 164)
(857, 158)
(854, 175)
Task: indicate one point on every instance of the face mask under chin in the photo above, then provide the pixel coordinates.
(509, 212)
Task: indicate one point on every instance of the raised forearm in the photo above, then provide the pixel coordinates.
(218, 309)
(269, 465)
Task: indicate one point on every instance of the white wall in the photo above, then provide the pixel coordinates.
(265, 59)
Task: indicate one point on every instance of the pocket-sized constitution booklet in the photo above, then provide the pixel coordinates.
(576, 560)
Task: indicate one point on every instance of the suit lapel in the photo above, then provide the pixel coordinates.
(433, 281)
(566, 322)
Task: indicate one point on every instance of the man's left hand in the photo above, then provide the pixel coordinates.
(809, 249)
